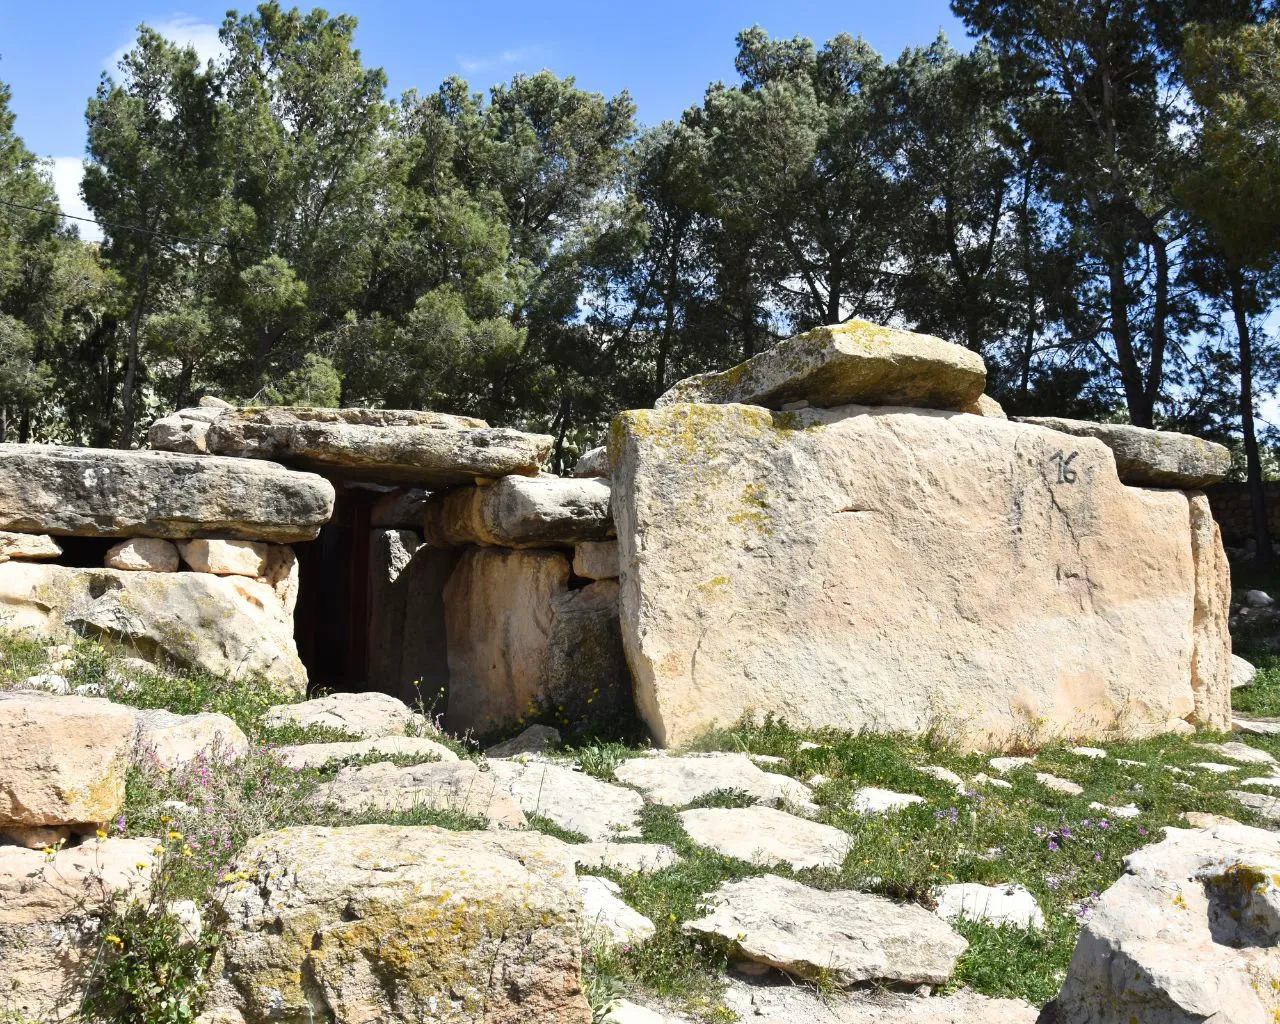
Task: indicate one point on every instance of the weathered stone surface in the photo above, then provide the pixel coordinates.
(27, 546)
(573, 800)
(1211, 654)
(629, 858)
(49, 920)
(986, 406)
(677, 781)
(424, 658)
(320, 755)
(401, 509)
(609, 920)
(521, 512)
(765, 836)
(1059, 785)
(186, 431)
(390, 555)
(594, 462)
(380, 445)
(403, 926)
(855, 361)
(897, 570)
(585, 674)
(62, 759)
(1236, 751)
(1257, 726)
(596, 559)
(143, 554)
(225, 557)
(874, 800)
(169, 740)
(359, 715)
(845, 937)
(499, 607)
(1150, 458)
(225, 625)
(788, 1003)
(995, 904)
(533, 740)
(91, 492)
(1188, 934)
(281, 575)
(1242, 672)
(1264, 805)
(442, 785)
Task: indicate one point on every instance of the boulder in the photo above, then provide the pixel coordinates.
(441, 785)
(499, 607)
(1258, 599)
(594, 462)
(521, 512)
(853, 362)
(765, 836)
(676, 781)
(596, 559)
(841, 937)
(143, 554)
(27, 546)
(360, 715)
(91, 492)
(402, 925)
(185, 431)
(169, 740)
(50, 910)
(321, 755)
(995, 904)
(903, 570)
(1242, 672)
(627, 858)
(1188, 934)
(1150, 458)
(573, 800)
(62, 760)
(585, 677)
(609, 920)
(225, 557)
(223, 625)
(388, 446)
(986, 406)
(533, 740)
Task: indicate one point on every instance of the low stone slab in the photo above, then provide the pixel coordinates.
(608, 918)
(846, 937)
(1059, 785)
(873, 800)
(1150, 458)
(360, 715)
(628, 858)
(533, 740)
(426, 449)
(1257, 726)
(169, 740)
(765, 836)
(677, 781)
(320, 755)
(789, 1003)
(854, 362)
(442, 785)
(521, 512)
(92, 492)
(1264, 805)
(995, 904)
(573, 800)
(1236, 751)
(27, 546)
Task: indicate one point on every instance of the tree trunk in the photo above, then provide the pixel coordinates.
(1253, 464)
(1122, 334)
(128, 411)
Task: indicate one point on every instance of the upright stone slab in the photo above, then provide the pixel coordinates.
(92, 492)
(585, 674)
(856, 361)
(1211, 664)
(1150, 458)
(390, 553)
(424, 658)
(897, 570)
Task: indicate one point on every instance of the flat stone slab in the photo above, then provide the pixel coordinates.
(320, 755)
(765, 836)
(533, 740)
(629, 858)
(607, 918)
(442, 785)
(1236, 751)
(573, 800)
(1257, 726)
(360, 715)
(1150, 458)
(1059, 785)
(854, 362)
(874, 800)
(27, 546)
(379, 445)
(677, 781)
(522, 512)
(843, 936)
(995, 904)
(1262, 804)
(95, 492)
(784, 1002)
(170, 740)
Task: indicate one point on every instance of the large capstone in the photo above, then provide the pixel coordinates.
(380, 445)
(905, 570)
(856, 361)
(92, 492)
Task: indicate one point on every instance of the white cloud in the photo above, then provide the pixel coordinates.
(505, 59)
(67, 172)
(185, 31)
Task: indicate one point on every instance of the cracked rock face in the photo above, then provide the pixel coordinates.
(901, 569)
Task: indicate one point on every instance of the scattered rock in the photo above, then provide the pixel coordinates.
(844, 937)
(573, 800)
(594, 462)
(169, 740)
(677, 781)
(1262, 804)
(1122, 811)
(321, 755)
(521, 512)
(983, 779)
(359, 715)
(1150, 458)
(402, 926)
(1271, 782)
(1008, 764)
(143, 554)
(1216, 768)
(1257, 726)
(1058, 785)
(942, 775)
(596, 559)
(1236, 751)
(1258, 599)
(189, 918)
(441, 785)
(628, 858)
(225, 557)
(1202, 819)
(765, 836)
(92, 492)
(1242, 673)
(534, 740)
(62, 760)
(1096, 753)
(46, 682)
(855, 362)
(871, 800)
(995, 904)
(608, 919)
(27, 545)
(1186, 934)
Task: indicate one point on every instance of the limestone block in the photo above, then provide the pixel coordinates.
(322, 755)
(596, 559)
(594, 462)
(676, 781)
(573, 800)
(360, 715)
(765, 836)
(281, 575)
(994, 904)
(225, 557)
(521, 512)
(401, 509)
(27, 545)
(169, 740)
(390, 552)
(143, 554)
(1211, 666)
(186, 431)
(442, 785)
(609, 920)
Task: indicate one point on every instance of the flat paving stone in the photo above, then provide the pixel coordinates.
(777, 1000)
(607, 917)
(765, 836)
(995, 904)
(573, 800)
(1009, 764)
(1059, 785)
(319, 755)
(1236, 751)
(873, 800)
(677, 781)
(1262, 804)
(629, 858)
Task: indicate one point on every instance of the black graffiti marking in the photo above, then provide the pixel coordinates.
(1066, 475)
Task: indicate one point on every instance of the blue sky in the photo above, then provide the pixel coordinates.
(665, 53)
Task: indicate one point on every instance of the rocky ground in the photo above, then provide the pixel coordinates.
(763, 874)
